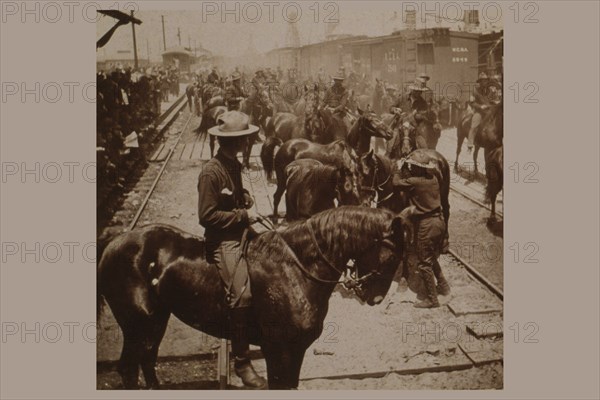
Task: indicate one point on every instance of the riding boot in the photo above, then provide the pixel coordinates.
(443, 288)
(429, 281)
(240, 345)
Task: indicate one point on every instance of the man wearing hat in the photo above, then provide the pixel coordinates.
(336, 99)
(479, 102)
(213, 78)
(424, 194)
(234, 93)
(259, 79)
(336, 96)
(225, 211)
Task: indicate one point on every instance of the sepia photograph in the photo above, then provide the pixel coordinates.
(301, 195)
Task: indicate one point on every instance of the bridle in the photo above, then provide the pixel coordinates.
(351, 279)
(375, 187)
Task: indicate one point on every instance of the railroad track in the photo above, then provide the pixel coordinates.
(474, 200)
(142, 206)
(138, 172)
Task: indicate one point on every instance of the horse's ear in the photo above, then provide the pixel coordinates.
(360, 111)
(370, 154)
(369, 109)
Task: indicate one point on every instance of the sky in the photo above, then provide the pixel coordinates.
(264, 25)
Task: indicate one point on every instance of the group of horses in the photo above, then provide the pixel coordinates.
(148, 274)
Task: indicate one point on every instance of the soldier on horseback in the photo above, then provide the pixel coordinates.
(424, 194)
(336, 99)
(225, 210)
(234, 93)
(259, 80)
(213, 78)
(479, 102)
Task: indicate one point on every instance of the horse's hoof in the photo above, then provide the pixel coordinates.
(491, 221)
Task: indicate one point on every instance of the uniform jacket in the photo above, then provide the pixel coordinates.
(336, 97)
(221, 199)
(424, 192)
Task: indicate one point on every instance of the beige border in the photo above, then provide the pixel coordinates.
(560, 213)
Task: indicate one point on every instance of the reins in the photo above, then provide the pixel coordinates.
(291, 252)
(375, 187)
(351, 280)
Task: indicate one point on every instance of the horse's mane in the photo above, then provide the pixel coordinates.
(346, 230)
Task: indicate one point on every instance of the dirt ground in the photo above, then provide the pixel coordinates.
(389, 346)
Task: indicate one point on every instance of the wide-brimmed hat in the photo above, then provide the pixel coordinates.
(420, 159)
(483, 77)
(423, 77)
(232, 124)
(235, 76)
(415, 88)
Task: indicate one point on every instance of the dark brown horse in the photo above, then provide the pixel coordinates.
(285, 126)
(426, 136)
(312, 187)
(260, 111)
(148, 274)
(339, 154)
(494, 173)
(367, 125)
(209, 119)
(375, 183)
(489, 135)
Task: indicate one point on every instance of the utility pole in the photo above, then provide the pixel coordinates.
(135, 56)
(164, 37)
(179, 35)
(148, 51)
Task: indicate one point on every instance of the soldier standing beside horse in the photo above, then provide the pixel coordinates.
(424, 194)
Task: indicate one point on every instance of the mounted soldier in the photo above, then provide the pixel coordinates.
(225, 210)
(336, 99)
(235, 93)
(259, 80)
(424, 194)
(479, 103)
(213, 78)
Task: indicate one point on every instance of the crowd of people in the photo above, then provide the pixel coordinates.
(128, 102)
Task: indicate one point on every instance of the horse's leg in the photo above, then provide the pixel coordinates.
(297, 359)
(131, 354)
(279, 366)
(155, 335)
(278, 194)
(475, 153)
(212, 145)
(460, 138)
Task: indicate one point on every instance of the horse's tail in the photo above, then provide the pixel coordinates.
(103, 242)
(494, 173)
(267, 154)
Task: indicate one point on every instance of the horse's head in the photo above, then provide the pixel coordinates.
(376, 265)
(314, 125)
(372, 124)
(407, 139)
(366, 174)
(345, 183)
